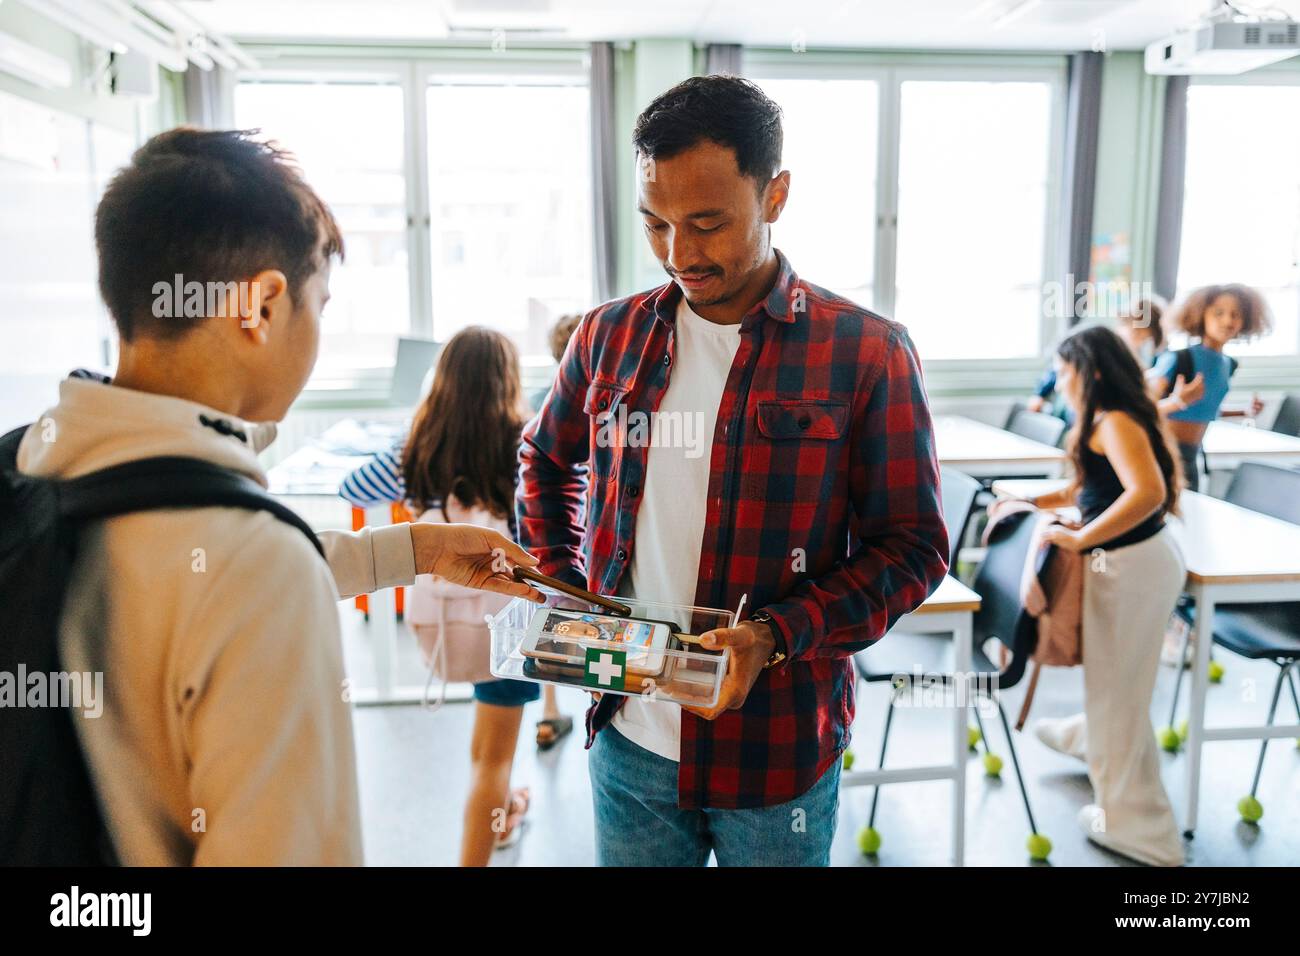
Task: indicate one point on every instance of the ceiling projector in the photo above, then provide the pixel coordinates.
(1224, 47)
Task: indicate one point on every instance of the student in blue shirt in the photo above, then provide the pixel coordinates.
(1213, 316)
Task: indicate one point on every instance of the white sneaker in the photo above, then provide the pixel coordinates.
(1092, 820)
(1065, 735)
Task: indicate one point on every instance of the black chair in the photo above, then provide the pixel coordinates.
(1037, 426)
(1288, 416)
(898, 657)
(959, 493)
(1257, 631)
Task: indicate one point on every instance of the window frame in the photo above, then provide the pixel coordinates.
(890, 71)
(413, 70)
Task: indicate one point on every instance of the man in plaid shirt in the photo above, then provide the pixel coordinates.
(801, 473)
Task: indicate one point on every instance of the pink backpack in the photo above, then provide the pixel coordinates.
(448, 618)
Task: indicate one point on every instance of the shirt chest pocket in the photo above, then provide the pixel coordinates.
(802, 420)
(607, 440)
(795, 455)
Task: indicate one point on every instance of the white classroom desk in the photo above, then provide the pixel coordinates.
(951, 608)
(983, 451)
(1227, 444)
(316, 470)
(1234, 556)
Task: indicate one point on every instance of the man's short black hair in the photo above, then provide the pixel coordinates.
(213, 206)
(726, 110)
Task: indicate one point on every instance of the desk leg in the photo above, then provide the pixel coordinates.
(383, 636)
(1204, 638)
(961, 634)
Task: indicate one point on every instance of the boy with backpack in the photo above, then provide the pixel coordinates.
(136, 542)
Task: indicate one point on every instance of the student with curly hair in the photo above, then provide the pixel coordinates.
(1213, 316)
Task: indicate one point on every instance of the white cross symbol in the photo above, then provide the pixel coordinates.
(605, 669)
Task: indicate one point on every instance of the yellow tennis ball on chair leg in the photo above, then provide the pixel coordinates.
(1038, 846)
(869, 841)
(1250, 809)
(1169, 739)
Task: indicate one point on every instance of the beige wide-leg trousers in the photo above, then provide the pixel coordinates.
(1128, 595)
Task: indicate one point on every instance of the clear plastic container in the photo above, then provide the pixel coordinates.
(681, 672)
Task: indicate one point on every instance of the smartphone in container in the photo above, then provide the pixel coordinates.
(554, 635)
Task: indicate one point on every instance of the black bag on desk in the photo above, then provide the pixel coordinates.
(49, 815)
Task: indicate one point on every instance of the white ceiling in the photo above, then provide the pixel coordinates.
(878, 24)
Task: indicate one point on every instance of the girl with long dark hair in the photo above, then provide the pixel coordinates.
(1126, 480)
(457, 465)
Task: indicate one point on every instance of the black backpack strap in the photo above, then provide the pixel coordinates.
(1184, 365)
(1232, 366)
(170, 482)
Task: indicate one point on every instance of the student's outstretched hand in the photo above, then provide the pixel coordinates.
(471, 556)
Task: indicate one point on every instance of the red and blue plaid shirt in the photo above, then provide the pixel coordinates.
(823, 506)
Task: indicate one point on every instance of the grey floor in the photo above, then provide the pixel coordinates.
(414, 769)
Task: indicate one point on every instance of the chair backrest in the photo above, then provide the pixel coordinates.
(959, 491)
(1267, 489)
(997, 582)
(1016, 408)
(1288, 416)
(1036, 426)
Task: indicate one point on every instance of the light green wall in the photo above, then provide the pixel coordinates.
(649, 68)
(1128, 158)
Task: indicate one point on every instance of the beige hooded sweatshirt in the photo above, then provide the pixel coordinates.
(225, 736)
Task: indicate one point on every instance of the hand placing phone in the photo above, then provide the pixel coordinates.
(471, 556)
(752, 644)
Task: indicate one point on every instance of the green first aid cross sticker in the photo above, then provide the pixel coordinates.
(605, 669)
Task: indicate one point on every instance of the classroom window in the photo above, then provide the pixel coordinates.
(509, 207)
(463, 190)
(835, 184)
(54, 167)
(1241, 202)
(349, 139)
(927, 194)
(973, 201)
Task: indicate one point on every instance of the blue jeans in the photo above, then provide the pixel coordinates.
(638, 822)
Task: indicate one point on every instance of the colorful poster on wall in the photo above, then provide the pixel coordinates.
(1112, 274)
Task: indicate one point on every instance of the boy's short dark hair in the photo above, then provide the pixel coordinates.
(212, 206)
(727, 110)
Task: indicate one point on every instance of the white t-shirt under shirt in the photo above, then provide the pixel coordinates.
(670, 525)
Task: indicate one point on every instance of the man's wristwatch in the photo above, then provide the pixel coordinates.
(778, 655)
